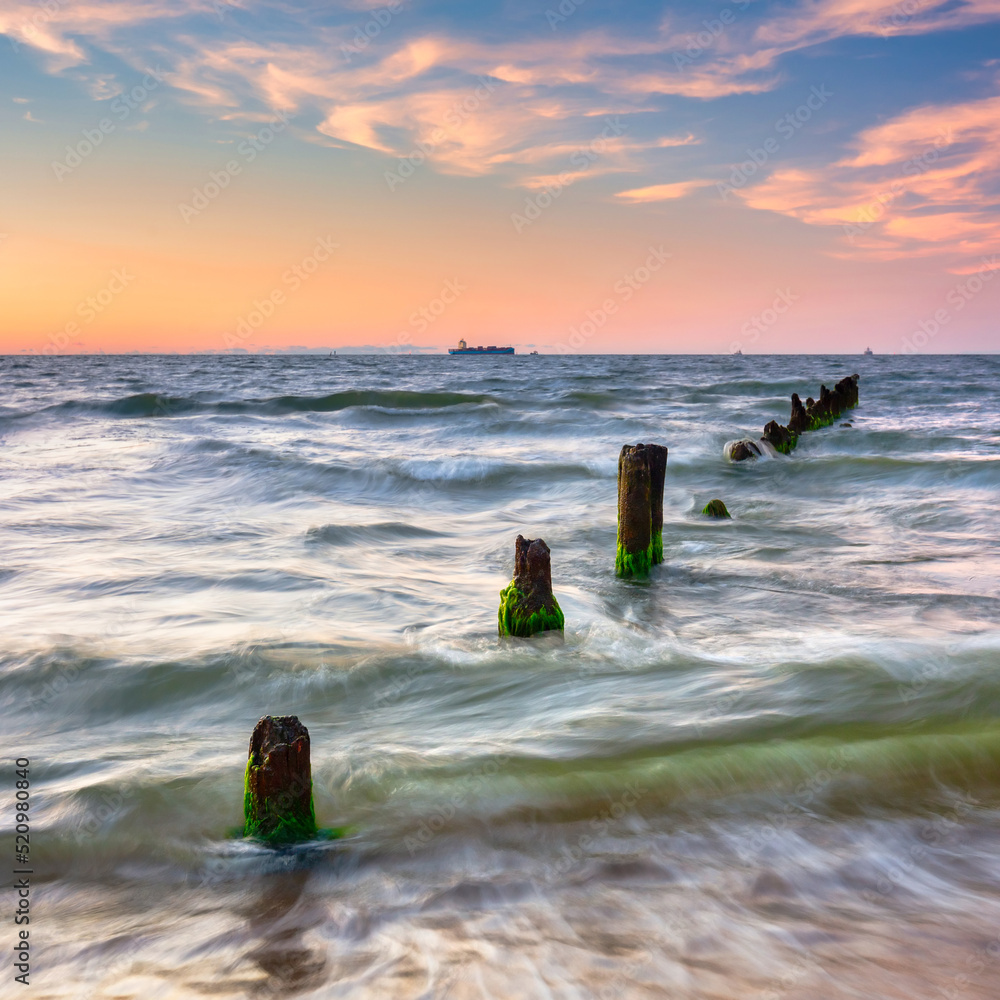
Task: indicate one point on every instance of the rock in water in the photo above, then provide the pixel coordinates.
(740, 451)
(716, 508)
(277, 797)
(527, 605)
(634, 555)
(657, 454)
(780, 438)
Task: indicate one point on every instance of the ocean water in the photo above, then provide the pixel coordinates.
(772, 770)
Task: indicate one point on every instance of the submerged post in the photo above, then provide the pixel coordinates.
(716, 508)
(527, 604)
(657, 476)
(277, 796)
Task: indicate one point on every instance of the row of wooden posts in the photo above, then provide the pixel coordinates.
(277, 799)
(527, 604)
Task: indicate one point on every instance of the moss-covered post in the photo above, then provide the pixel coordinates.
(527, 604)
(657, 476)
(277, 797)
(634, 555)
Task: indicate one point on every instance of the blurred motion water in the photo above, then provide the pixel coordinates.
(770, 771)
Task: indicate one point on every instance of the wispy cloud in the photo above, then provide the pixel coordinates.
(922, 183)
(662, 192)
(401, 89)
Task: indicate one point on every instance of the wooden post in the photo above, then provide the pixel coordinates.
(657, 476)
(527, 605)
(634, 555)
(815, 414)
(277, 798)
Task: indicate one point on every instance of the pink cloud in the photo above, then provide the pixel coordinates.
(915, 185)
(662, 192)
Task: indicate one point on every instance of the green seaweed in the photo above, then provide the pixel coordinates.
(511, 619)
(634, 564)
(288, 827)
(656, 548)
(716, 508)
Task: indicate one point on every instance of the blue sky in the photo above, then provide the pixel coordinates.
(848, 149)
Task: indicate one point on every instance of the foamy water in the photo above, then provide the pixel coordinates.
(769, 771)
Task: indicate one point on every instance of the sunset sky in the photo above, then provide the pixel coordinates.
(585, 176)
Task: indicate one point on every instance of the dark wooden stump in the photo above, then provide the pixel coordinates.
(634, 555)
(657, 476)
(527, 605)
(277, 799)
(816, 413)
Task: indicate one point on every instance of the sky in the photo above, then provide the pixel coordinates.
(574, 176)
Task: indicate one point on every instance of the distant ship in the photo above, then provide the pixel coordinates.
(869, 353)
(463, 348)
(738, 351)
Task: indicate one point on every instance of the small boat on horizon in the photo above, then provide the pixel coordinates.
(869, 353)
(737, 351)
(464, 348)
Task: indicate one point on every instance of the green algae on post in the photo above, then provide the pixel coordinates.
(716, 508)
(277, 790)
(657, 454)
(815, 414)
(527, 604)
(635, 553)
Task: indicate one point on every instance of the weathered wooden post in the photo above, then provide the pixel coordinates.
(657, 476)
(634, 554)
(277, 796)
(527, 605)
(815, 414)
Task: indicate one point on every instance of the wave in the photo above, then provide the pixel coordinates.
(949, 770)
(153, 404)
(359, 534)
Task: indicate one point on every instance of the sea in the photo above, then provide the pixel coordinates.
(771, 770)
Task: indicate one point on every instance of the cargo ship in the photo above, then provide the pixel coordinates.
(463, 348)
